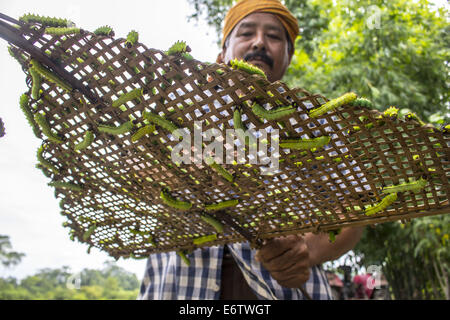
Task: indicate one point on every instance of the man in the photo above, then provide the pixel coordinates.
(263, 33)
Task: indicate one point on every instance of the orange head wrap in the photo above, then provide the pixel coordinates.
(245, 7)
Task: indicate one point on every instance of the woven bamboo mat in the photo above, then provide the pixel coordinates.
(110, 189)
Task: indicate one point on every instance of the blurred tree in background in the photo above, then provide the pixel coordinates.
(395, 53)
(110, 283)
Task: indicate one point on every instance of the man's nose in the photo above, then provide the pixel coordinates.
(258, 42)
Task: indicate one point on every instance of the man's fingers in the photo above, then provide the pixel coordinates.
(274, 248)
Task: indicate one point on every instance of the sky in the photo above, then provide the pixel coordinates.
(29, 212)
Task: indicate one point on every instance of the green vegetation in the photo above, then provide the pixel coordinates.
(110, 283)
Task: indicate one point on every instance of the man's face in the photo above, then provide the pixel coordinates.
(260, 39)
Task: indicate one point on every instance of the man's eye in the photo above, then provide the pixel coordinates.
(274, 36)
(246, 34)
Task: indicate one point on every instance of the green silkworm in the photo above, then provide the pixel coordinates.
(362, 102)
(414, 186)
(66, 185)
(62, 31)
(272, 114)
(36, 86)
(132, 38)
(187, 56)
(43, 124)
(248, 139)
(219, 169)
(305, 144)
(413, 116)
(147, 129)
(333, 104)
(332, 235)
(383, 204)
(183, 257)
(104, 31)
(46, 21)
(49, 75)
(391, 112)
(174, 203)
(133, 94)
(204, 239)
(160, 121)
(122, 129)
(45, 163)
(178, 47)
(25, 107)
(247, 67)
(89, 232)
(213, 222)
(87, 140)
(222, 205)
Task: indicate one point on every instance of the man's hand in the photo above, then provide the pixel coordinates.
(287, 260)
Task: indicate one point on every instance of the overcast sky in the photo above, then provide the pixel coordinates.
(29, 212)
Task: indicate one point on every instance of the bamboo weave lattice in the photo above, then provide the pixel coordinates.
(114, 199)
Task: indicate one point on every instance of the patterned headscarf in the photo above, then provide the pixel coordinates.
(245, 7)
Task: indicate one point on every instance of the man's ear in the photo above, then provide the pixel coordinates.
(220, 58)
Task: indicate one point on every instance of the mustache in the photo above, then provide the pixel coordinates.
(261, 55)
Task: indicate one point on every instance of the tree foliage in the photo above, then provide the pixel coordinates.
(395, 53)
(111, 282)
(8, 258)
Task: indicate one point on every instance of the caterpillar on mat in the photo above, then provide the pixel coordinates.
(413, 116)
(174, 203)
(333, 104)
(122, 129)
(183, 257)
(87, 140)
(362, 102)
(272, 114)
(46, 21)
(25, 106)
(89, 232)
(36, 86)
(132, 38)
(391, 112)
(247, 67)
(104, 31)
(332, 235)
(133, 94)
(204, 239)
(238, 124)
(49, 75)
(305, 144)
(222, 171)
(147, 129)
(66, 185)
(45, 163)
(213, 222)
(160, 121)
(414, 186)
(62, 31)
(43, 124)
(178, 47)
(383, 204)
(222, 205)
